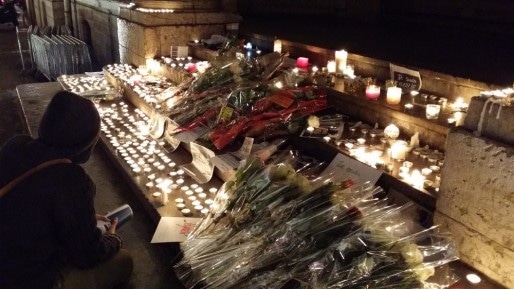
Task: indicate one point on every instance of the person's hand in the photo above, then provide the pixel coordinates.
(112, 228)
(102, 218)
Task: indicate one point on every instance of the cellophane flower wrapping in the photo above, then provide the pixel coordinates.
(272, 226)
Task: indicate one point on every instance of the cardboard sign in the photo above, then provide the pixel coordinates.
(406, 79)
(344, 168)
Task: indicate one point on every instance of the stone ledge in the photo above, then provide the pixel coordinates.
(480, 252)
(477, 188)
(497, 120)
(178, 18)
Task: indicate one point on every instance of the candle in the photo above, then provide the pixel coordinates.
(409, 107)
(432, 111)
(302, 62)
(277, 46)
(190, 67)
(331, 66)
(372, 92)
(398, 150)
(391, 132)
(341, 56)
(394, 95)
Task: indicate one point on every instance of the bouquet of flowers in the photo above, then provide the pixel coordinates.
(273, 227)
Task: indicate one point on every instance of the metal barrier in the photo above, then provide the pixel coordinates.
(55, 52)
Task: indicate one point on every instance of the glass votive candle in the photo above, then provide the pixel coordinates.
(372, 92)
(394, 95)
(432, 111)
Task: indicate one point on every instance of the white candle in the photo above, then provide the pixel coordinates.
(277, 46)
(341, 56)
(394, 95)
(331, 66)
(399, 150)
(432, 111)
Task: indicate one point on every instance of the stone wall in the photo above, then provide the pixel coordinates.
(48, 12)
(96, 25)
(476, 203)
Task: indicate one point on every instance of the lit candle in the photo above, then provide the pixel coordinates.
(394, 95)
(372, 92)
(331, 66)
(302, 62)
(432, 111)
(398, 150)
(277, 46)
(341, 56)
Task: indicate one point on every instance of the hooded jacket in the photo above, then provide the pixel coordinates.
(48, 221)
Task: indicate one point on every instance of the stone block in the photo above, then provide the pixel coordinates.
(490, 119)
(479, 251)
(477, 187)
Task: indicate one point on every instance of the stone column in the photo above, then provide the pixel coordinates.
(476, 201)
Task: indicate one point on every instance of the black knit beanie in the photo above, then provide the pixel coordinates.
(70, 123)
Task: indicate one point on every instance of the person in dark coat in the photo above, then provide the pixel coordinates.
(48, 232)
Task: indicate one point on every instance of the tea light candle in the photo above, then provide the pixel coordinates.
(341, 56)
(372, 92)
(399, 150)
(426, 171)
(191, 198)
(302, 62)
(408, 107)
(186, 212)
(202, 195)
(180, 206)
(198, 208)
(213, 190)
(196, 203)
(394, 95)
(179, 200)
(204, 211)
(432, 111)
(326, 138)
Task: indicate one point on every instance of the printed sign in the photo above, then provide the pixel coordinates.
(201, 167)
(406, 79)
(344, 168)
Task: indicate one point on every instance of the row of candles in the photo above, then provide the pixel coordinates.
(85, 84)
(417, 166)
(126, 130)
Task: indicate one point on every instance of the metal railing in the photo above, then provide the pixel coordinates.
(55, 52)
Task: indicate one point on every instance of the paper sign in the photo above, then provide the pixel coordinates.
(344, 168)
(226, 113)
(245, 149)
(157, 126)
(179, 51)
(201, 167)
(406, 79)
(171, 140)
(174, 229)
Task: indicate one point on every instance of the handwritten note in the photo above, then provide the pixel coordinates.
(174, 229)
(406, 79)
(201, 167)
(344, 168)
